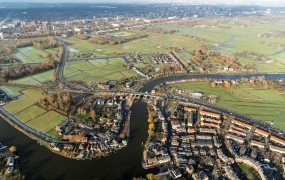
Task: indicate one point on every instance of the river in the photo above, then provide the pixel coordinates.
(37, 162)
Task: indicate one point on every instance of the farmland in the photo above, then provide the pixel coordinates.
(36, 79)
(26, 109)
(226, 36)
(263, 104)
(231, 37)
(32, 55)
(153, 43)
(99, 70)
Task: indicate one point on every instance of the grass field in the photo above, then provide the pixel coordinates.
(234, 37)
(29, 97)
(99, 71)
(265, 105)
(12, 90)
(231, 36)
(148, 44)
(36, 79)
(32, 55)
(47, 121)
(26, 109)
(30, 113)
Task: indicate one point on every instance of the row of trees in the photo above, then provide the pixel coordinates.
(16, 72)
(160, 30)
(61, 101)
(39, 43)
(81, 36)
(199, 55)
(110, 40)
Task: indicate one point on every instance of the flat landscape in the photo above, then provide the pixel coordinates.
(98, 70)
(26, 109)
(32, 55)
(36, 79)
(233, 36)
(263, 104)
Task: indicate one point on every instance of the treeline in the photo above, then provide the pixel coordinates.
(39, 43)
(23, 70)
(61, 101)
(6, 51)
(199, 55)
(159, 30)
(256, 82)
(81, 36)
(110, 40)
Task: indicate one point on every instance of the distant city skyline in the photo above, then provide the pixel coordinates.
(268, 2)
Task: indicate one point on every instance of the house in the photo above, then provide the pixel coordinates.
(129, 84)
(200, 176)
(262, 132)
(242, 124)
(207, 130)
(277, 140)
(175, 174)
(256, 143)
(104, 86)
(10, 161)
(237, 132)
(277, 149)
(210, 114)
(234, 137)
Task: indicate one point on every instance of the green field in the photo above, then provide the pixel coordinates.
(12, 90)
(36, 79)
(234, 37)
(30, 113)
(26, 109)
(263, 104)
(99, 70)
(32, 55)
(148, 44)
(47, 121)
(29, 97)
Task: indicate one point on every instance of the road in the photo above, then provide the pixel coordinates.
(26, 129)
(77, 88)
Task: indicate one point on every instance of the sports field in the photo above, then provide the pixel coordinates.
(32, 55)
(263, 104)
(99, 70)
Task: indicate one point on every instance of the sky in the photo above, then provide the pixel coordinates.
(268, 2)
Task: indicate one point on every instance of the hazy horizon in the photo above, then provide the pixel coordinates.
(268, 2)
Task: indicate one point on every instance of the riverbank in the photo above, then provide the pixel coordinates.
(39, 162)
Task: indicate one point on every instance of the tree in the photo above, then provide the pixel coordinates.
(92, 113)
(150, 176)
(123, 136)
(227, 85)
(13, 149)
(151, 126)
(213, 84)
